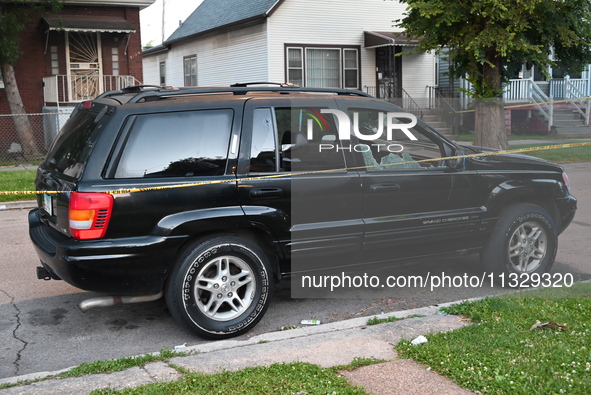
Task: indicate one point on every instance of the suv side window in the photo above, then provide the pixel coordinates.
(395, 153)
(180, 144)
(283, 133)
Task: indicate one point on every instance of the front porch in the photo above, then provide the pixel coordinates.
(60, 90)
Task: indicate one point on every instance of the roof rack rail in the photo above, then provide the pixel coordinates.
(239, 89)
(281, 84)
(133, 89)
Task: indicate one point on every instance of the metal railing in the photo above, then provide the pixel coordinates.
(60, 89)
(410, 105)
(406, 101)
(443, 108)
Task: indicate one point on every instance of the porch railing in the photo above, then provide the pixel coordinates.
(518, 89)
(564, 88)
(60, 89)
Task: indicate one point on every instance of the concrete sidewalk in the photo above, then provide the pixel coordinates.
(325, 345)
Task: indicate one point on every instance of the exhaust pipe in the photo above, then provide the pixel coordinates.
(112, 300)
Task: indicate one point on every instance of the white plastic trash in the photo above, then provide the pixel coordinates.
(419, 340)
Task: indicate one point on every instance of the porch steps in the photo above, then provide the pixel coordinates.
(430, 117)
(569, 122)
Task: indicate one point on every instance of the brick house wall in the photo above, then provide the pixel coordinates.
(35, 62)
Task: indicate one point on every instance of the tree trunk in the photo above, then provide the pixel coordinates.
(490, 125)
(490, 130)
(21, 120)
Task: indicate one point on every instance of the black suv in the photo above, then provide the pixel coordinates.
(210, 195)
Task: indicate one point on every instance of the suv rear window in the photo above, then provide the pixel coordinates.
(72, 147)
(180, 144)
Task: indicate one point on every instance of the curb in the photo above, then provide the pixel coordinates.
(221, 345)
(18, 205)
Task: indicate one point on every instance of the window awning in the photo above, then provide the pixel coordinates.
(75, 23)
(384, 39)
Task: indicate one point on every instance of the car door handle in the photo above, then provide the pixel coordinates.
(384, 187)
(265, 192)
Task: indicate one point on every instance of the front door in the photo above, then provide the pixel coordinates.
(306, 198)
(413, 200)
(84, 58)
(389, 72)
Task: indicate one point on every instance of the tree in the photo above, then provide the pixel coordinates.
(13, 20)
(485, 38)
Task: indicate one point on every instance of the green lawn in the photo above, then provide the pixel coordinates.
(560, 155)
(18, 180)
(513, 137)
(500, 354)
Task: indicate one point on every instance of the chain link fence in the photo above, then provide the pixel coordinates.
(26, 138)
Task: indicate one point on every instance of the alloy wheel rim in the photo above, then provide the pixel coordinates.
(224, 288)
(527, 247)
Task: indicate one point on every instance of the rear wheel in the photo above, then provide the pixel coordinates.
(524, 241)
(220, 287)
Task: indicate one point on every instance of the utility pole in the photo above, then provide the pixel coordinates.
(163, 19)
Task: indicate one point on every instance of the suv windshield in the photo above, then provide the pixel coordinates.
(72, 147)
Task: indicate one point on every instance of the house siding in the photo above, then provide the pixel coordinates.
(222, 59)
(342, 22)
(418, 72)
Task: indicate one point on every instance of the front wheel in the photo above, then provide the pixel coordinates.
(524, 241)
(220, 287)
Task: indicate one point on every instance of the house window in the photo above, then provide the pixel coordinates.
(351, 67)
(295, 66)
(190, 70)
(163, 73)
(55, 66)
(115, 60)
(323, 68)
(319, 67)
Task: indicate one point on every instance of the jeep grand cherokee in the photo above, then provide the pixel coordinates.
(208, 195)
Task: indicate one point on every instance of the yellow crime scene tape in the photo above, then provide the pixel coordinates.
(530, 104)
(283, 175)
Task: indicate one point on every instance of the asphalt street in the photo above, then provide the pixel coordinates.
(43, 329)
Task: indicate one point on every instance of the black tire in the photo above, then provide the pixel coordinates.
(220, 287)
(524, 240)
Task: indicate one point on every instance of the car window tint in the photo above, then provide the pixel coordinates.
(73, 145)
(397, 151)
(180, 144)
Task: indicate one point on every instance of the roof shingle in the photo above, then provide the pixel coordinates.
(212, 14)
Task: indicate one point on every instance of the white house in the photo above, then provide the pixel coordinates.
(329, 43)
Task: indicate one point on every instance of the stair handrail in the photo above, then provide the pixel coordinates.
(578, 100)
(443, 107)
(543, 103)
(410, 105)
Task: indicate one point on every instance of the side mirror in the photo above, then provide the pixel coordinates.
(457, 164)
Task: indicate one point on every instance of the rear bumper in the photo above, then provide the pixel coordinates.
(125, 266)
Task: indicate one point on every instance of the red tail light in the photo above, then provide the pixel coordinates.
(89, 214)
(566, 181)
